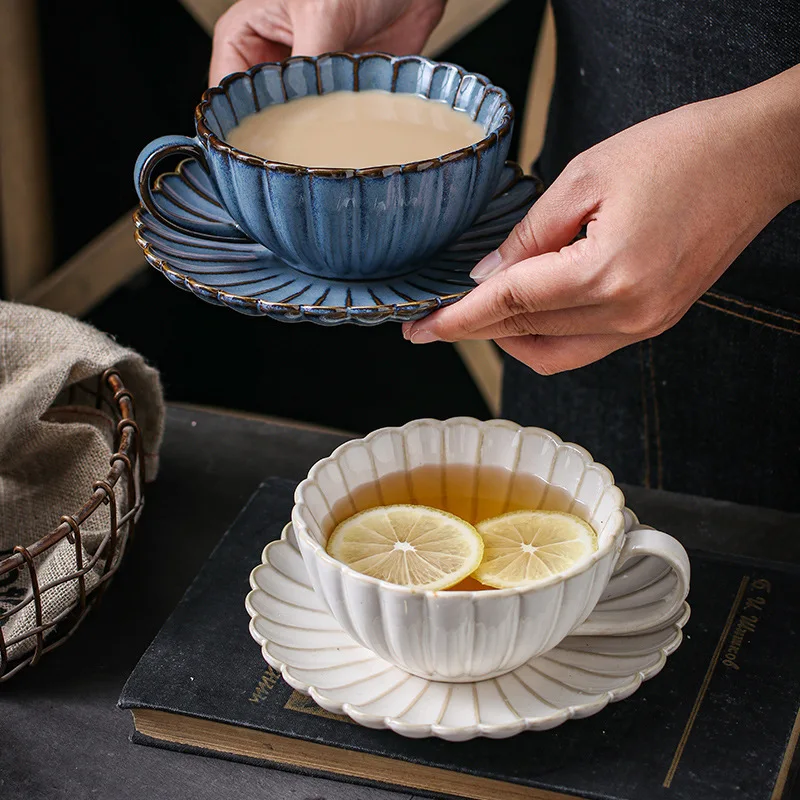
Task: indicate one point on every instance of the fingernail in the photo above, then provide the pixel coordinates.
(486, 266)
(406, 330)
(423, 337)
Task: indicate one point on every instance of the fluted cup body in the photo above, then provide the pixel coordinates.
(464, 635)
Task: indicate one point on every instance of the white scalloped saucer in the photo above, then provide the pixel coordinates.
(299, 637)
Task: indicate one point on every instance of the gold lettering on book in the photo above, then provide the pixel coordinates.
(745, 612)
(746, 622)
(737, 601)
(265, 685)
(305, 705)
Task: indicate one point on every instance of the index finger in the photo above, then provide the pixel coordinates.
(543, 283)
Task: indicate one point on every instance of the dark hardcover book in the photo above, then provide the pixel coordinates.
(720, 721)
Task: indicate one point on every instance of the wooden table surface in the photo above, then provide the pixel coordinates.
(61, 735)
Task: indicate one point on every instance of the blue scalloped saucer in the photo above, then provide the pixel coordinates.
(243, 275)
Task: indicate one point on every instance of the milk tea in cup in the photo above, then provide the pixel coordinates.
(355, 130)
(434, 137)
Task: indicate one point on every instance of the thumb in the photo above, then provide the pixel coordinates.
(315, 33)
(554, 220)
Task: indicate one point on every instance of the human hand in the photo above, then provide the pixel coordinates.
(668, 204)
(253, 31)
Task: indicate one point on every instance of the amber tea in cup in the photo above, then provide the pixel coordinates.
(478, 469)
(474, 493)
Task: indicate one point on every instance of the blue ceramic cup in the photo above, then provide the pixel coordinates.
(350, 224)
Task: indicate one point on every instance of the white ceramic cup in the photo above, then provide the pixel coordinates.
(468, 636)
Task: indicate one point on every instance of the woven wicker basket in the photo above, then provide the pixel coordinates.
(125, 475)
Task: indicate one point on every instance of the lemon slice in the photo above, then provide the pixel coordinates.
(523, 547)
(414, 546)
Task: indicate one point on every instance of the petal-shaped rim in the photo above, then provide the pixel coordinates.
(499, 131)
(612, 541)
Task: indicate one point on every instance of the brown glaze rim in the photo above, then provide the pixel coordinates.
(499, 132)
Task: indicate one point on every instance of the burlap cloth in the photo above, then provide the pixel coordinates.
(54, 444)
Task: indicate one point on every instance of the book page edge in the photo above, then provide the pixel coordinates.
(223, 737)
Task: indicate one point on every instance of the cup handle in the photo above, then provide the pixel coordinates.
(148, 160)
(643, 541)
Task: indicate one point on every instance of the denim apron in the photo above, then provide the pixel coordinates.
(712, 406)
